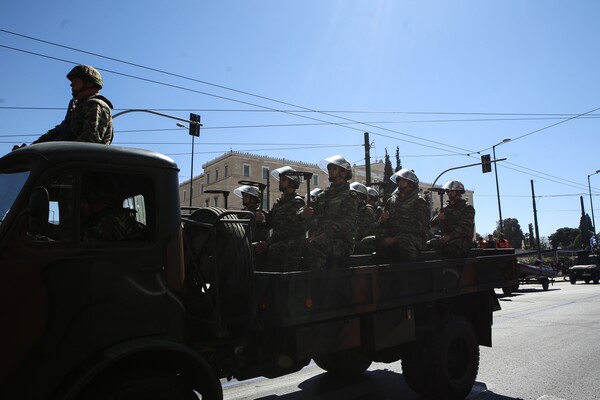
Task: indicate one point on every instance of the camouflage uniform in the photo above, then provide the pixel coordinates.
(285, 243)
(87, 120)
(365, 224)
(331, 227)
(259, 229)
(459, 225)
(407, 223)
(113, 225)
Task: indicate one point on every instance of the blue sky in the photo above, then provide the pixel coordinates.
(443, 81)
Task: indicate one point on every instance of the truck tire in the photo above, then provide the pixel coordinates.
(416, 368)
(153, 384)
(596, 277)
(344, 364)
(545, 283)
(223, 256)
(572, 279)
(455, 360)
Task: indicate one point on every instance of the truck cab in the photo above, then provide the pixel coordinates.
(78, 279)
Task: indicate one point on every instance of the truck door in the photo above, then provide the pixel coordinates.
(90, 278)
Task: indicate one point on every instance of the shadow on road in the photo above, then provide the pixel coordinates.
(372, 385)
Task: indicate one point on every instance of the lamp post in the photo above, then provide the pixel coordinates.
(497, 186)
(591, 202)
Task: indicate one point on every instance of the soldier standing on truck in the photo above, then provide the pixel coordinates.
(331, 217)
(283, 248)
(402, 230)
(365, 216)
(457, 221)
(251, 202)
(88, 117)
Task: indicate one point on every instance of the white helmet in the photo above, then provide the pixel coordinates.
(454, 185)
(251, 190)
(314, 193)
(336, 160)
(405, 174)
(282, 170)
(372, 192)
(359, 188)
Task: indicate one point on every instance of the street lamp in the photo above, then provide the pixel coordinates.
(497, 187)
(591, 202)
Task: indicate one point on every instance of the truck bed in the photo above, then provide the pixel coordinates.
(294, 298)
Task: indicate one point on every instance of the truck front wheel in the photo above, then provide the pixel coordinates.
(573, 279)
(346, 363)
(455, 360)
(156, 385)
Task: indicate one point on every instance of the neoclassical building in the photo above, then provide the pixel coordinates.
(226, 171)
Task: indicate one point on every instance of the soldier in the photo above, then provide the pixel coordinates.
(88, 117)
(365, 216)
(103, 217)
(331, 217)
(373, 200)
(251, 202)
(283, 248)
(457, 221)
(402, 230)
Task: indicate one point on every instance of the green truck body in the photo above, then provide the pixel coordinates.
(175, 311)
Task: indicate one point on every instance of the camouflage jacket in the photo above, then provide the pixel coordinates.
(408, 216)
(113, 225)
(282, 219)
(87, 120)
(366, 221)
(260, 230)
(335, 213)
(459, 221)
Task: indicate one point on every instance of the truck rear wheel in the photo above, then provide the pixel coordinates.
(346, 363)
(455, 360)
(416, 368)
(545, 283)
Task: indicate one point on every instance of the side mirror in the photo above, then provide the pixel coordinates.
(38, 209)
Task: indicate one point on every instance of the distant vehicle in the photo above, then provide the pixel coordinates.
(586, 268)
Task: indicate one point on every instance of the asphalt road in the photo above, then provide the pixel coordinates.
(545, 347)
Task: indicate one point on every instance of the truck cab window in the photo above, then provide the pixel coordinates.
(11, 184)
(113, 208)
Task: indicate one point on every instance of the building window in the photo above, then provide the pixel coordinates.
(184, 195)
(226, 172)
(216, 201)
(265, 172)
(216, 175)
(246, 170)
(207, 178)
(315, 180)
(202, 188)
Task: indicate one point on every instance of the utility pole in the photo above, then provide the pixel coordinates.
(535, 221)
(194, 131)
(367, 159)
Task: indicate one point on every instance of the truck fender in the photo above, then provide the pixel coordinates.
(143, 354)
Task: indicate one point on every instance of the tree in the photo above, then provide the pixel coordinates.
(563, 237)
(388, 188)
(512, 232)
(398, 162)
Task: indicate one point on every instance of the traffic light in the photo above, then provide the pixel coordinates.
(486, 165)
(195, 124)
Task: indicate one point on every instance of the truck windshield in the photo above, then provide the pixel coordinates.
(11, 184)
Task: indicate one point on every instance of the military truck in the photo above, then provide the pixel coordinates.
(144, 299)
(586, 268)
